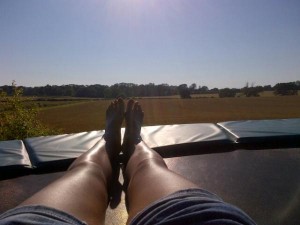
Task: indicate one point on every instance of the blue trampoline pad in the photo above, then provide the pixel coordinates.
(254, 131)
(13, 153)
(44, 150)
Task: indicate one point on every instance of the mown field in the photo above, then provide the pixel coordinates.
(45, 102)
(90, 115)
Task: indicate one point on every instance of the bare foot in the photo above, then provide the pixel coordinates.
(133, 122)
(112, 136)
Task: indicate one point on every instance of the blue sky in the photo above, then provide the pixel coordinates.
(217, 43)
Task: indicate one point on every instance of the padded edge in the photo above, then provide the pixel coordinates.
(185, 139)
(13, 153)
(14, 159)
(62, 149)
(168, 140)
(255, 133)
(160, 136)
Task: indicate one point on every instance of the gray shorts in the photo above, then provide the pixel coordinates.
(191, 206)
(38, 214)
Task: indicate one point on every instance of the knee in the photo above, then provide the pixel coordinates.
(142, 155)
(146, 166)
(89, 169)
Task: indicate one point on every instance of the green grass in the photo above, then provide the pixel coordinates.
(90, 115)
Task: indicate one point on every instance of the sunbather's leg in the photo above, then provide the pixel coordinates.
(83, 190)
(147, 175)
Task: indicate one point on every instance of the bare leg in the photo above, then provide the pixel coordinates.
(83, 190)
(146, 173)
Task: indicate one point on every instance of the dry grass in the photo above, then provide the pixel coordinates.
(84, 116)
(90, 115)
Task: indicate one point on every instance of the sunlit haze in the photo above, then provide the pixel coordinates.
(217, 43)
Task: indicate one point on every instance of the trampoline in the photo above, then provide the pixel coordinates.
(253, 164)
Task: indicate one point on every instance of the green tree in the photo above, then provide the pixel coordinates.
(184, 92)
(18, 119)
(193, 88)
(227, 93)
(251, 91)
(290, 88)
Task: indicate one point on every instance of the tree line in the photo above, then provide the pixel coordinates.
(149, 90)
(290, 88)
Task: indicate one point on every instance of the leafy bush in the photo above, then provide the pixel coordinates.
(17, 119)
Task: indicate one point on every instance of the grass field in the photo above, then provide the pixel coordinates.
(45, 102)
(89, 115)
